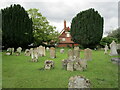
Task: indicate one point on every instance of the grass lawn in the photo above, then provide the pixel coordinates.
(18, 72)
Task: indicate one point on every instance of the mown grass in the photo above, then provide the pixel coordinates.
(18, 72)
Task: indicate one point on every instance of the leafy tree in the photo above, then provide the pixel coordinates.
(43, 32)
(107, 40)
(87, 28)
(16, 27)
(115, 34)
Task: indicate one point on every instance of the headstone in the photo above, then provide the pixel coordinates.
(70, 66)
(52, 52)
(41, 51)
(27, 52)
(70, 54)
(113, 48)
(49, 64)
(106, 49)
(61, 51)
(78, 82)
(18, 52)
(47, 48)
(64, 64)
(77, 65)
(88, 54)
(34, 54)
(10, 51)
(76, 53)
(83, 64)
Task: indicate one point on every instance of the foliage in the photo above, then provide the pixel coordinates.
(107, 40)
(18, 72)
(115, 34)
(43, 32)
(16, 27)
(87, 28)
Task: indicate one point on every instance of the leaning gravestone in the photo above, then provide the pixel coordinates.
(61, 51)
(49, 64)
(113, 48)
(106, 49)
(78, 82)
(52, 52)
(76, 53)
(70, 54)
(88, 54)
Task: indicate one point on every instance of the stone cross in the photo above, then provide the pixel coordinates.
(106, 49)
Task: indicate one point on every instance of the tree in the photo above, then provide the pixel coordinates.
(107, 40)
(43, 32)
(87, 28)
(16, 27)
(115, 34)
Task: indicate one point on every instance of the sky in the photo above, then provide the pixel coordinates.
(56, 11)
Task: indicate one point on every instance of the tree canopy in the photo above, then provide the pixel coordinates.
(87, 28)
(16, 27)
(42, 30)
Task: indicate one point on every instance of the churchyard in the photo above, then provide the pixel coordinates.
(20, 72)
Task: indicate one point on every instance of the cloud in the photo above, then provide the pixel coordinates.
(58, 10)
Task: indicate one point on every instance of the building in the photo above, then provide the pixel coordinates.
(65, 37)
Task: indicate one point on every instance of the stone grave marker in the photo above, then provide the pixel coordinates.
(88, 54)
(52, 52)
(49, 64)
(113, 48)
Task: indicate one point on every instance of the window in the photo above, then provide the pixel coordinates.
(68, 35)
(63, 39)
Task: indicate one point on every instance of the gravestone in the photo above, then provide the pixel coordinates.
(78, 82)
(70, 54)
(47, 48)
(27, 52)
(40, 51)
(10, 51)
(76, 53)
(64, 64)
(61, 51)
(106, 49)
(88, 54)
(113, 48)
(70, 66)
(18, 52)
(49, 64)
(52, 52)
(34, 54)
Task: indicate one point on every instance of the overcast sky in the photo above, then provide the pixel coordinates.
(57, 11)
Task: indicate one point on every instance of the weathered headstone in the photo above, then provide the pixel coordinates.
(41, 51)
(106, 49)
(10, 51)
(52, 52)
(34, 54)
(27, 52)
(113, 48)
(64, 64)
(18, 52)
(70, 54)
(78, 82)
(88, 54)
(76, 53)
(61, 51)
(70, 66)
(49, 64)
(77, 65)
